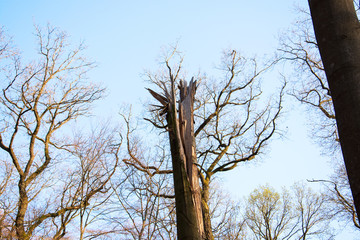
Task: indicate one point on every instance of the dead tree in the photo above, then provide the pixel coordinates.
(54, 177)
(180, 125)
(229, 129)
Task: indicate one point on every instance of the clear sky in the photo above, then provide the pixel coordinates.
(125, 38)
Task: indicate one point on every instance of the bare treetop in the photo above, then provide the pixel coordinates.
(38, 100)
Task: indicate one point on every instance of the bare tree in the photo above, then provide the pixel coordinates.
(6, 48)
(232, 123)
(226, 216)
(7, 206)
(96, 161)
(138, 211)
(311, 212)
(338, 194)
(143, 205)
(37, 102)
(233, 128)
(300, 48)
(311, 88)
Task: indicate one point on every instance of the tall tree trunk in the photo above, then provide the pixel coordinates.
(337, 31)
(186, 122)
(183, 152)
(186, 218)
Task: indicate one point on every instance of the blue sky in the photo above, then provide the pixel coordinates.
(126, 37)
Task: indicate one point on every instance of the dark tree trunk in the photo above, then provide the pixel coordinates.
(186, 122)
(182, 145)
(337, 31)
(186, 218)
(20, 216)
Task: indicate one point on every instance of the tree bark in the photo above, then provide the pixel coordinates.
(20, 216)
(186, 120)
(205, 209)
(337, 31)
(186, 219)
(180, 123)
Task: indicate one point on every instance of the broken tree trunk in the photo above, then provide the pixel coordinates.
(182, 145)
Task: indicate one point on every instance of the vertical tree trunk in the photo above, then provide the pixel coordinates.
(206, 210)
(337, 31)
(20, 216)
(186, 120)
(186, 218)
(189, 219)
